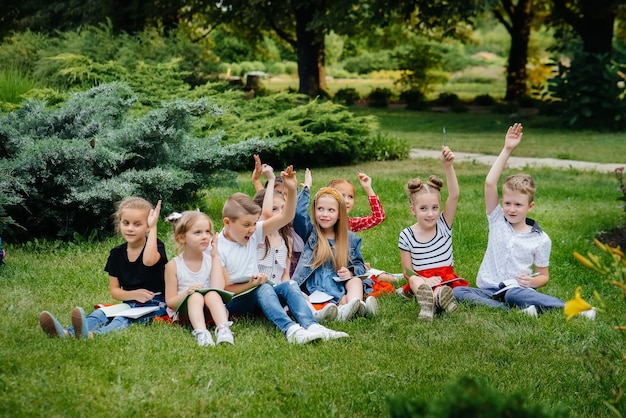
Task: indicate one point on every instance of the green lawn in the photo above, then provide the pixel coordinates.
(159, 370)
(483, 132)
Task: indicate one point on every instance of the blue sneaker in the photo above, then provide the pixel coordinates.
(50, 325)
(79, 322)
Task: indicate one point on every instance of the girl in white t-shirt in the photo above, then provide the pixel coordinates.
(190, 272)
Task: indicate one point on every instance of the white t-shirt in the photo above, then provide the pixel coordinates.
(186, 277)
(510, 254)
(240, 260)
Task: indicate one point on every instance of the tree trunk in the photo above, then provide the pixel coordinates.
(516, 76)
(311, 55)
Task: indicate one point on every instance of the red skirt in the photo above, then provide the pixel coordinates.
(446, 273)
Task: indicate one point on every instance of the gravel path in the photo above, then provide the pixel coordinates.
(521, 162)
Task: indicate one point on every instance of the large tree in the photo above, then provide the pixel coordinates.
(517, 19)
(302, 24)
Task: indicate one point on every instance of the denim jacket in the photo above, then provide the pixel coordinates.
(303, 226)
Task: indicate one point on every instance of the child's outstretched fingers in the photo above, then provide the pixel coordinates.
(153, 215)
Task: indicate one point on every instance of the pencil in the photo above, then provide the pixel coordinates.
(444, 136)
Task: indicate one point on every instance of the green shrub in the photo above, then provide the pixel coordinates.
(414, 99)
(370, 61)
(590, 92)
(347, 96)
(484, 100)
(291, 68)
(248, 66)
(472, 397)
(379, 97)
(276, 68)
(70, 163)
(447, 99)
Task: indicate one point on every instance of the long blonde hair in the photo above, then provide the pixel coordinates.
(323, 252)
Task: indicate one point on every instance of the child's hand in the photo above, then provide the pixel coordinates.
(447, 156)
(193, 287)
(289, 178)
(256, 173)
(142, 295)
(213, 251)
(153, 216)
(268, 171)
(513, 136)
(366, 183)
(259, 279)
(308, 179)
(524, 280)
(344, 273)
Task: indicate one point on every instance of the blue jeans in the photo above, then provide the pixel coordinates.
(263, 299)
(515, 297)
(289, 294)
(99, 323)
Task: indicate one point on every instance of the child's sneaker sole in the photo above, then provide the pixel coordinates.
(446, 300)
(426, 301)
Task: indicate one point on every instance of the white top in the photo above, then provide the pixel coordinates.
(510, 254)
(241, 260)
(186, 277)
(274, 263)
(432, 254)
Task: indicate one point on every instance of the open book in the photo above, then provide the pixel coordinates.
(124, 309)
(225, 294)
(319, 297)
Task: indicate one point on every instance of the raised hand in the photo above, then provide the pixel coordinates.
(153, 216)
(447, 156)
(513, 136)
(289, 177)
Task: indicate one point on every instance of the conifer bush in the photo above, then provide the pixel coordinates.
(67, 165)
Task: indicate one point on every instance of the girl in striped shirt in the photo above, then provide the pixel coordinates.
(426, 246)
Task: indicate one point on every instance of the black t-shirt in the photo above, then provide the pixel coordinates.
(135, 275)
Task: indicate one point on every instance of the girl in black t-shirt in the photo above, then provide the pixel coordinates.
(136, 274)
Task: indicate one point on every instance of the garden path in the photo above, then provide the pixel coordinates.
(521, 162)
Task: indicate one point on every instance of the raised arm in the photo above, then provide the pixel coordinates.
(276, 222)
(256, 173)
(449, 210)
(511, 141)
(268, 199)
(151, 254)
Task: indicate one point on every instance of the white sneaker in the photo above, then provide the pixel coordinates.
(531, 311)
(327, 313)
(223, 334)
(349, 310)
(400, 291)
(203, 337)
(371, 307)
(327, 333)
(589, 314)
(298, 335)
(361, 311)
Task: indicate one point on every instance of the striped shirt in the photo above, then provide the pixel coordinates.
(432, 254)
